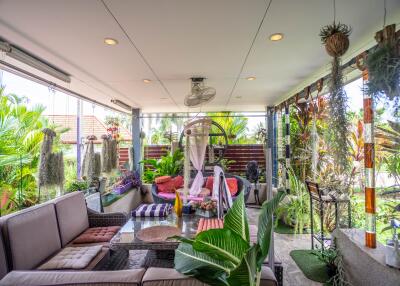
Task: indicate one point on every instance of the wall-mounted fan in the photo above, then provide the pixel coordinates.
(200, 93)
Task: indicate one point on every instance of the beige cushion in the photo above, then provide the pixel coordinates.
(93, 278)
(32, 236)
(72, 258)
(3, 258)
(168, 277)
(171, 277)
(71, 215)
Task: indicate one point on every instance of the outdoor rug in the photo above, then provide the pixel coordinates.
(313, 268)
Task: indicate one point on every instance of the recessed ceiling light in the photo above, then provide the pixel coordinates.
(251, 78)
(147, 80)
(110, 41)
(276, 37)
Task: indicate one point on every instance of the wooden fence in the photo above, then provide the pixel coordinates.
(240, 155)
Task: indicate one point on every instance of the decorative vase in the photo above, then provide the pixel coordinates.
(178, 205)
(392, 255)
(337, 45)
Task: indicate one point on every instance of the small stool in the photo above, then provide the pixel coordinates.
(320, 200)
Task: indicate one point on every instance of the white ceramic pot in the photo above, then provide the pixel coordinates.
(392, 256)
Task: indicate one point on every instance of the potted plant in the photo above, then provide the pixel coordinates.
(392, 248)
(328, 256)
(206, 208)
(226, 256)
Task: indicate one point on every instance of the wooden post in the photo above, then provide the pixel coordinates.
(136, 140)
(287, 147)
(369, 164)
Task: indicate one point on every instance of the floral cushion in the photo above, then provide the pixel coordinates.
(97, 234)
(232, 184)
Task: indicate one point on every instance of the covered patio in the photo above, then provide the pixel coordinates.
(199, 142)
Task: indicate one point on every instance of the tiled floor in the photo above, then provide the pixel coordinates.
(284, 244)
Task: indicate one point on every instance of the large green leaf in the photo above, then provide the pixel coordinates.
(236, 219)
(194, 263)
(221, 244)
(265, 222)
(245, 273)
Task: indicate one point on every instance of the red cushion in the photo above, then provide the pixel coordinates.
(97, 234)
(178, 182)
(162, 179)
(171, 185)
(210, 183)
(232, 184)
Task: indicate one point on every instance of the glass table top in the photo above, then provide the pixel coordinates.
(126, 237)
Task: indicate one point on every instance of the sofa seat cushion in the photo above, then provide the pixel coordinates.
(132, 277)
(171, 196)
(72, 258)
(97, 234)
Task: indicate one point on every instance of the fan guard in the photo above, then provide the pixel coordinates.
(200, 93)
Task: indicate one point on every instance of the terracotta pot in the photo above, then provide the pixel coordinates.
(337, 44)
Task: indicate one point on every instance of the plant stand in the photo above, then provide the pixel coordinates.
(319, 201)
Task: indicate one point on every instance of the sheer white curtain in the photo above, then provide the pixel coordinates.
(198, 144)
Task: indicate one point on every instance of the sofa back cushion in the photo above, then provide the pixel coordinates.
(3, 258)
(32, 236)
(72, 216)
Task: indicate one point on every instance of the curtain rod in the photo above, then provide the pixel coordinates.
(30, 76)
(211, 116)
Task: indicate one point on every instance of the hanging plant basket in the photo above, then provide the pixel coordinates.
(335, 37)
(337, 44)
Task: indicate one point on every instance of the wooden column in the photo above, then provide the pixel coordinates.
(369, 166)
(287, 147)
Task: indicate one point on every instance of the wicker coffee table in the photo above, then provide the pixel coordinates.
(127, 238)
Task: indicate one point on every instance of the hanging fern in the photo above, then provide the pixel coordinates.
(384, 74)
(338, 115)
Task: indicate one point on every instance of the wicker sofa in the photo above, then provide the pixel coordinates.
(30, 237)
(243, 186)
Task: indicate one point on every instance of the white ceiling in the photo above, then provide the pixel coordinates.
(177, 39)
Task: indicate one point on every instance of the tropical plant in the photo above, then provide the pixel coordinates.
(234, 124)
(77, 186)
(328, 256)
(295, 209)
(226, 256)
(168, 165)
(20, 141)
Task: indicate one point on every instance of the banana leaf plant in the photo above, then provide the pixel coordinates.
(226, 256)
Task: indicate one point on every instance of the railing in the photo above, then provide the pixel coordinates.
(238, 154)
